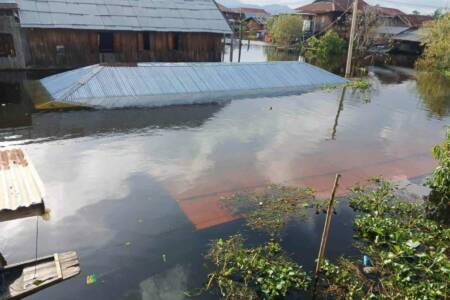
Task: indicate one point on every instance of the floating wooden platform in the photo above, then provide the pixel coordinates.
(20, 280)
(21, 190)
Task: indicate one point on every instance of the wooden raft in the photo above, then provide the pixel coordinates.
(23, 279)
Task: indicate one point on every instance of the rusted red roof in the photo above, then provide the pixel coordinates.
(388, 11)
(417, 20)
(8, 6)
(325, 6)
(251, 10)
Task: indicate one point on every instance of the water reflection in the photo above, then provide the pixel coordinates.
(434, 90)
(259, 52)
(128, 186)
(71, 124)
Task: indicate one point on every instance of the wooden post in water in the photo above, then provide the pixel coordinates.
(326, 230)
(240, 38)
(231, 47)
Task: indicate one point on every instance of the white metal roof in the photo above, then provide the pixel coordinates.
(20, 185)
(162, 84)
(133, 15)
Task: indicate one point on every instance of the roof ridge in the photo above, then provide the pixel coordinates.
(83, 80)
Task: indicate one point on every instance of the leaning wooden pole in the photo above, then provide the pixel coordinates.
(348, 68)
(326, 230)
(240, 38)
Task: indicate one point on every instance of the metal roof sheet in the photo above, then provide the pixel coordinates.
(415, 35)
(392, 30)
(133, 15)
(160, 84)
(20, 185)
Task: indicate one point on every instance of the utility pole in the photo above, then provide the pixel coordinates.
(348, 68)
(240, 37)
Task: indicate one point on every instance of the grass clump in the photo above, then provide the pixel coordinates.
(262, 272)
(409, 253)
(271, 210)
(359, 84)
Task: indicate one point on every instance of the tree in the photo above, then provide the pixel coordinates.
(285, 30)
(416, 12)
(436, 56)
(367, 22)
(328, 52)
(438, 13)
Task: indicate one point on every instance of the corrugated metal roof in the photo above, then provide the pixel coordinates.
(392, 30)
(133, 15)
(416, 35)
(20, 185)
(161, 84)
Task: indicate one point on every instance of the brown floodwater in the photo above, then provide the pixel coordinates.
(129, 187)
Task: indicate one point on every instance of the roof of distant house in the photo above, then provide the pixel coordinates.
(225, 9)
(417, 20)
(130, 15)
(325, 6)
(252, 10)
(388, 11)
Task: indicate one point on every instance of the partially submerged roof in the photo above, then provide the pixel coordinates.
(162, 84)
(21, 189)
(133, 15)
(389, 11)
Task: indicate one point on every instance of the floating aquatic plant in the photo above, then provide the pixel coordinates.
(271, 209)
(409, 253)
(262, 272)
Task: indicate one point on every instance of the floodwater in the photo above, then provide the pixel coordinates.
(135, 192)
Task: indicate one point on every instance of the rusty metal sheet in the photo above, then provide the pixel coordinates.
(20, 185)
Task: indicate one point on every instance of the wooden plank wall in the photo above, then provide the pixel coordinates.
(81, 47)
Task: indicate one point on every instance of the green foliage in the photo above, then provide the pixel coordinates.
(408, 252)
(436, 56)
(263, 272)
(328, 52)
(272, 209)
(434, 90)
(359, 84)
(439, 182)
(285, 30)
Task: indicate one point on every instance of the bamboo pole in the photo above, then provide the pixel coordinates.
(348, 68)
(326, 230)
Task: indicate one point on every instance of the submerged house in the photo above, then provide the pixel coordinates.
(54, 34)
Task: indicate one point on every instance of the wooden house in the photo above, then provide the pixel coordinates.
(328, 14)
(54, 34)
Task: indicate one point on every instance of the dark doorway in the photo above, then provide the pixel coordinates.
(106, 42)
(6, 45)
(146, 40)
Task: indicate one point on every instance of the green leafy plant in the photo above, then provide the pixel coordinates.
(270, 210)
(359, 84)
(263, 272)
(285, 30)
(409, 253)
(327, 52)
(438, 205)
(436, 56)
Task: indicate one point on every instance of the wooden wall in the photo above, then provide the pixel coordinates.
(81, 47)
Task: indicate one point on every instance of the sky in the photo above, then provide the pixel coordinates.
(424, 6)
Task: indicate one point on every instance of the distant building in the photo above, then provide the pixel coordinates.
(250, 12)
(328, 14)
(46, 34)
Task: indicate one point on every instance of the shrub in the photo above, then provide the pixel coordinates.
(328, 52)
